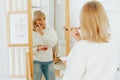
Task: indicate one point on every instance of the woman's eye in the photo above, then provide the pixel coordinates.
(39, 19)
(43, 18)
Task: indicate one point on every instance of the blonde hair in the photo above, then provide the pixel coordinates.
(36, 15)
(94, 22)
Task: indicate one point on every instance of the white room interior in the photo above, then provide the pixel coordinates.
(13, 55)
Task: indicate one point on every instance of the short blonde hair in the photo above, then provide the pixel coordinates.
(36, 15)
(94, 22)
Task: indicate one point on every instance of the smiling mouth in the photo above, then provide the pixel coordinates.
(41, 24)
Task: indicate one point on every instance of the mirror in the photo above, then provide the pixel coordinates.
(55, 18)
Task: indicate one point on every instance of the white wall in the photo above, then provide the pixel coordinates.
(60, 18)
(4, 56)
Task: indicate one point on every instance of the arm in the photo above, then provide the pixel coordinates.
(112, 68)
(36, 44)
(40, 48)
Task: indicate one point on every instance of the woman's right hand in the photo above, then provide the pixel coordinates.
(39, 29)
(75, 33)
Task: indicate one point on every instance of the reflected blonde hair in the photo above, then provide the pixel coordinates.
(36, 15)
(94, 22)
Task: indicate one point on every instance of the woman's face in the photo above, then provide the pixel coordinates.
(41, 22)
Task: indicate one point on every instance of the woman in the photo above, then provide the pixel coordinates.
(44, 39)
(95, 56)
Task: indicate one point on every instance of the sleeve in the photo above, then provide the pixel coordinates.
(34, 50)
(34, 43)
(50, 37)
(112, 68)
(76, 65)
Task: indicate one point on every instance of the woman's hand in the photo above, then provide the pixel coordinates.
(64, 59)
(75, 33)
(42, 48)
(39, 29)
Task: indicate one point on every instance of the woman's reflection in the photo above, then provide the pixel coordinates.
(44, 39)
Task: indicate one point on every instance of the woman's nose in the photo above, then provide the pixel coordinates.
(42, 21)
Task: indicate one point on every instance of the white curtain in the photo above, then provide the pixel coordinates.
(4, 56)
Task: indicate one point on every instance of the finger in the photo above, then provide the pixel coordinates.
(71, 28)
(37, 28)
(39, 24)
